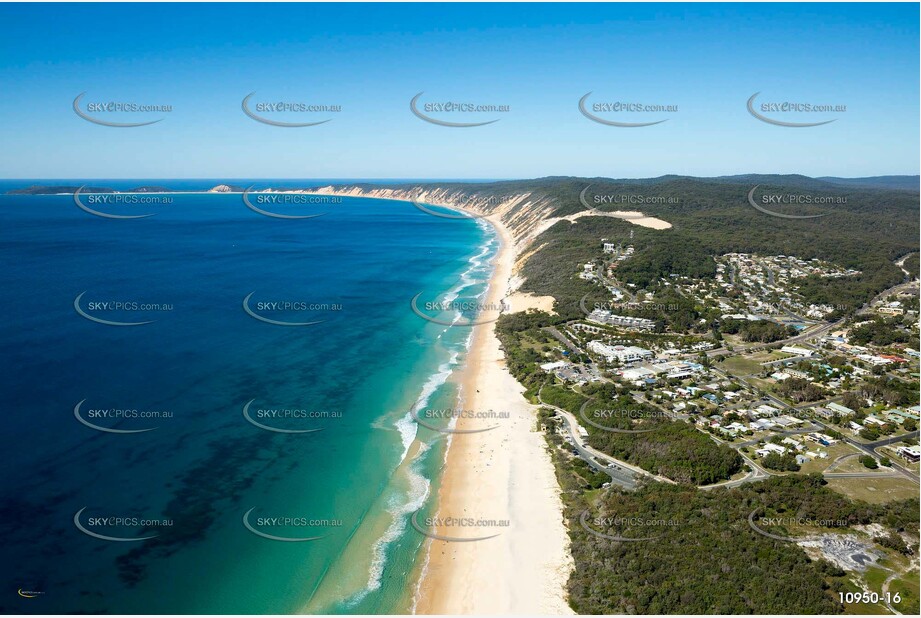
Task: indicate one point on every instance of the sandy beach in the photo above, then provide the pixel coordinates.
(502, 474)
(503, 479)
(522, 301)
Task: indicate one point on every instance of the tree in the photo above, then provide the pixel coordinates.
(869, 462)
(784, 463)
(852, 401)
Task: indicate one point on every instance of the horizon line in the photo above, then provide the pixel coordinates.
(446, 179)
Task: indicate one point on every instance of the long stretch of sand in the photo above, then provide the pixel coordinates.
(502, 474)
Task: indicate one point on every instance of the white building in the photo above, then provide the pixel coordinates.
(873, 359)
(910, 453)
(637, 373)
(553, 366)
(606, 317)
(770, 447)
(620, 353)
(587, 271)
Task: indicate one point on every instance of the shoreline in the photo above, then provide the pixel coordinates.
(503, 476)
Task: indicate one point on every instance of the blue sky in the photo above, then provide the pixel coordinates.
(538, 59)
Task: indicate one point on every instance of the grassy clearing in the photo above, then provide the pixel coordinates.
(834, 451)
(740, 366)
(876, 491)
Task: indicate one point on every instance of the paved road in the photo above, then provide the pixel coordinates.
(615, 284)
(808, 333)
(893, 440)
(893, 290)
(870, 449)
(621, 474)
(830, 470)
(756, 473)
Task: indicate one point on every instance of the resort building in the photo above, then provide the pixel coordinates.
(600, 316)
(620, 353)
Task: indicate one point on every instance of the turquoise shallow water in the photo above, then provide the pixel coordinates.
(188, 483)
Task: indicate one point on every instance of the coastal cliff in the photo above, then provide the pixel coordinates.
(521, 213)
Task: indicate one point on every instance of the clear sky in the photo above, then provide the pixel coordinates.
(538, 59)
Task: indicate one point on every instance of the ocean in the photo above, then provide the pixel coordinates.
(211, 457)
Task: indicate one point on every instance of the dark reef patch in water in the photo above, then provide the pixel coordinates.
(205, 492)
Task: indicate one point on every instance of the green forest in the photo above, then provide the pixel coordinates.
(703, 557)
(712, 217)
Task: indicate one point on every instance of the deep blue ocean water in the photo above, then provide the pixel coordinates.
(354, 376)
